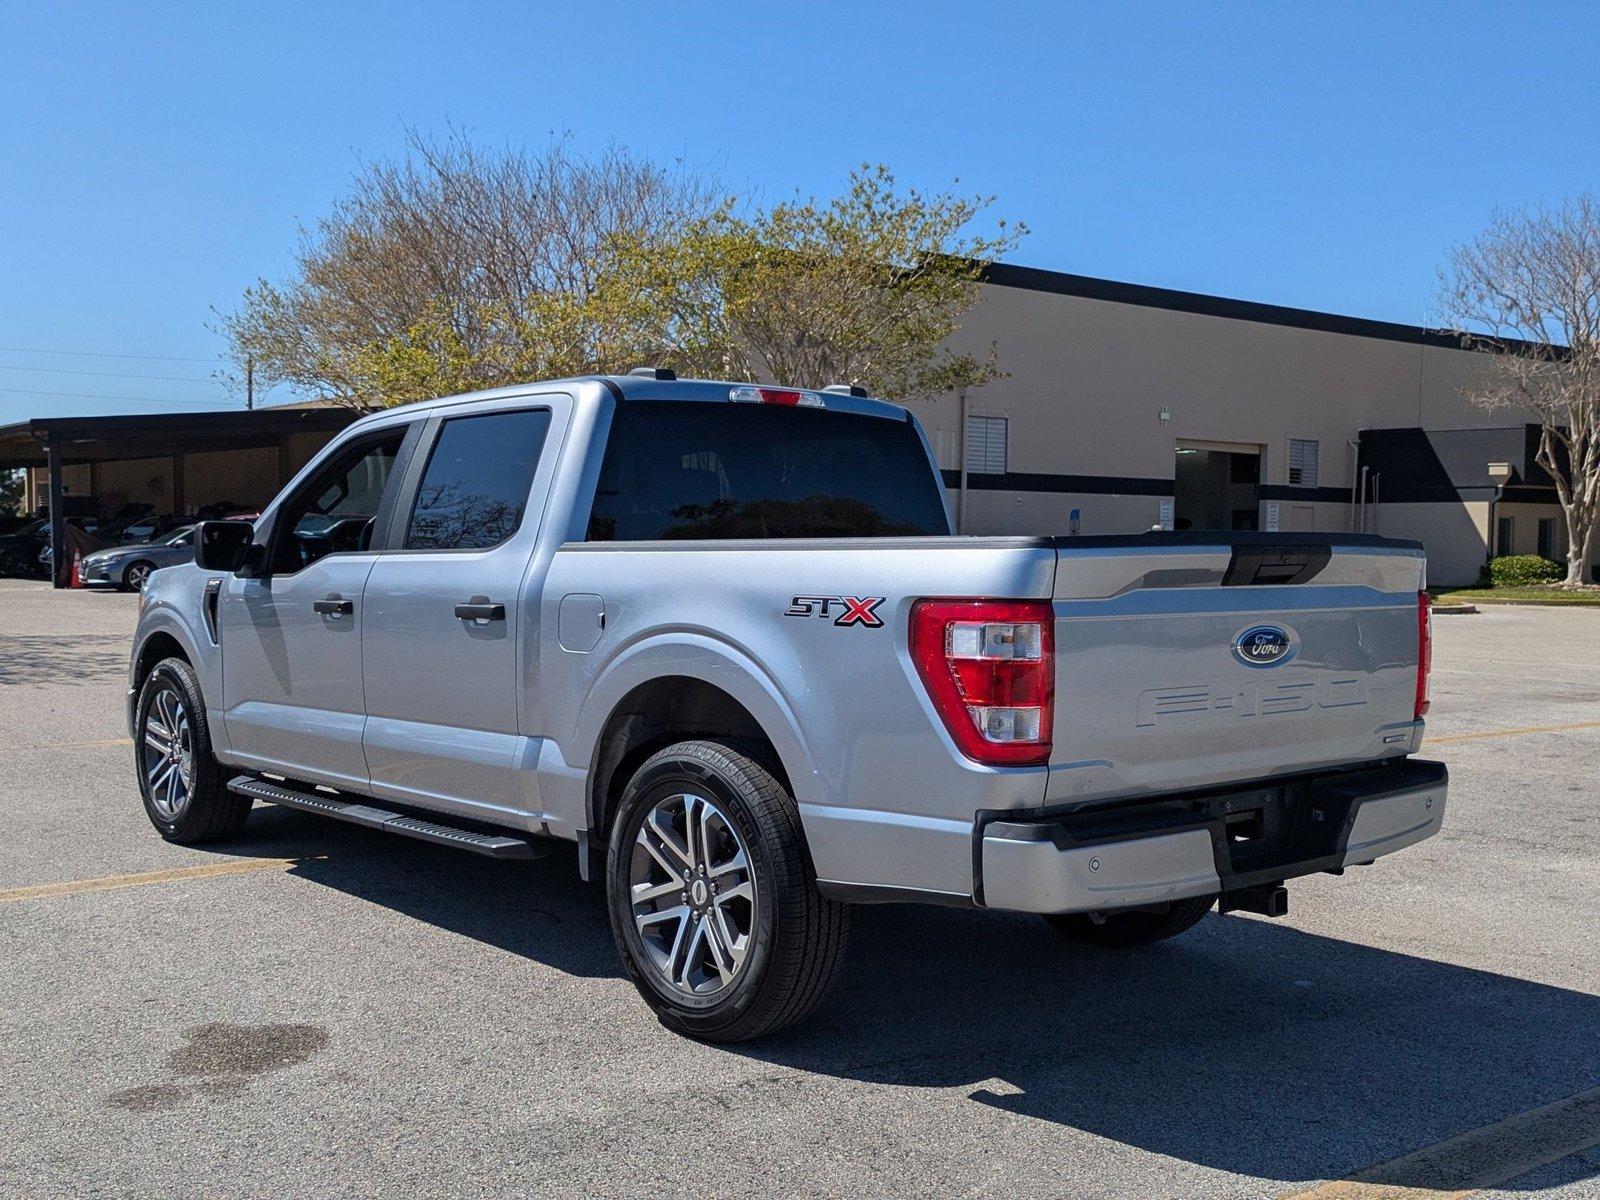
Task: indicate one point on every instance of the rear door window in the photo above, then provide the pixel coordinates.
(682, 470)
(474, 491)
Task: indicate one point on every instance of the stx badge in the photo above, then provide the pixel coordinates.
(856, 610)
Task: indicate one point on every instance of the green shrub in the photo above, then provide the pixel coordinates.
(1521, 570)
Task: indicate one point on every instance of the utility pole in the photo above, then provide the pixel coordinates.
(249, 381)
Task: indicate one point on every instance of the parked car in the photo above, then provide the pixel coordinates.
(117, 533)
(19, 550)
(143, 529)
(25, 554)
(222, 510)
(129, 567)
(721, 639)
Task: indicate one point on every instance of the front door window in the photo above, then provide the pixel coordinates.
(336, 512)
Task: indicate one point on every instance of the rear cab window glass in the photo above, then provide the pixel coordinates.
(474, 490)
(686, 470)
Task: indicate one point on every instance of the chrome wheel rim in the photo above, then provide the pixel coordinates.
(168, 754)
(137, 576)
(692, 894)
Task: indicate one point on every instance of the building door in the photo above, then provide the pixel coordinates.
(1216, 485)
(1505, 536)
(1547, 537)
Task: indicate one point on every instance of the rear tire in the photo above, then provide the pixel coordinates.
(1120, 930)
(184, 788)
(725, 934)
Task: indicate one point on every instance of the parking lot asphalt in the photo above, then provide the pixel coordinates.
(316, 1010)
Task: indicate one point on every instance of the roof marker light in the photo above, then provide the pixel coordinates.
(788, 397)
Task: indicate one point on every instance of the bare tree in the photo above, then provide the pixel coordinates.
(457, 268)
(1527, 291)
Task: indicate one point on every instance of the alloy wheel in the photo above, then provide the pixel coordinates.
(167, 753)
(138, 576)
(692, 894)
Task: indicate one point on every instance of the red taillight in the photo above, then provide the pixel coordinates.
(1424, 651)
(989, 667)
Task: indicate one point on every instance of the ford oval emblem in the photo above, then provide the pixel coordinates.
(1263, 646)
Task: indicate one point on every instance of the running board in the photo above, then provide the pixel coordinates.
(494, 845)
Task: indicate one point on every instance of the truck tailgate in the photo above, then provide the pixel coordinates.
(1186, 660)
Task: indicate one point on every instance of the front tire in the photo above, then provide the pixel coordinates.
(183, 787)
(713, 900)
(1120, 930)
(136, 576)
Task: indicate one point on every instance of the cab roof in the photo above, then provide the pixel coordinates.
(637, 387)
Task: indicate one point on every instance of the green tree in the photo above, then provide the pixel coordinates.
(866, 288)
(11, 494)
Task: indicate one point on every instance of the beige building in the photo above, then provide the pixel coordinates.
(1134, 406)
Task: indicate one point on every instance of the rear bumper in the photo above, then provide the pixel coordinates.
(1155, 850)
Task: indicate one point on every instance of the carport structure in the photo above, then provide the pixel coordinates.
(178, 461)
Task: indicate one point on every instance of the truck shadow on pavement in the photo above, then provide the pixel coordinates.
(41, 659)
(1246, 1045)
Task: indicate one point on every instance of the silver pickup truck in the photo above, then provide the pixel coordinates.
(721, 638)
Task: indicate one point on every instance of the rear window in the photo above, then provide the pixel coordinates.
(474, 491)
(679, 470)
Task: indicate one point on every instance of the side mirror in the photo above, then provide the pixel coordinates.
(224, 545)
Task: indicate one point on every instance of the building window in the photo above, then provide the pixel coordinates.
(1547, 537)
(1302, 462)
(986, 445)
(1505, 536)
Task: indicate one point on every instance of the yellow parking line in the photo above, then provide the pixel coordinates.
(1482, 1158)
(70, 745)
(106, 883)
(1521, 731)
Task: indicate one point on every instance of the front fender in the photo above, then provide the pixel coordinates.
(173, 607)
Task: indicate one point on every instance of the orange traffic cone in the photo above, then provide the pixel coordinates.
(76, 581)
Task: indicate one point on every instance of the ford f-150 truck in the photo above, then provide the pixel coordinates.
(721, 637)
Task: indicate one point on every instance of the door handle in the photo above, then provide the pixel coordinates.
(333, 607)
(475, 611)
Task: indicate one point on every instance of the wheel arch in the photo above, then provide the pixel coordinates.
(157, 645)
(656, 713)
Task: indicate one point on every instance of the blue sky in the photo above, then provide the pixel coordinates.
(155, 159)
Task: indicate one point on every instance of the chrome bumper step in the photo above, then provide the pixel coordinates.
(493, 845)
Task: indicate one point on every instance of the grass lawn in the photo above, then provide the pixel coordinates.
(1518, 595)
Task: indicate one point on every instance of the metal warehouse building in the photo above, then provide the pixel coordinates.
(1136, 406)
(1123, 407)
